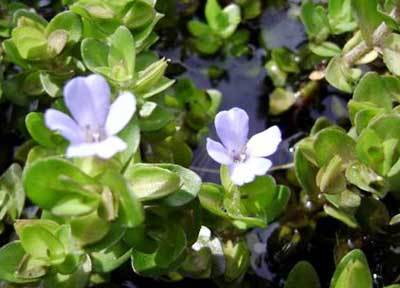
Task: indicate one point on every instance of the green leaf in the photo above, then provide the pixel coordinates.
(141, 13)
(233, 16)
(277, 76)
(330, 178)
(89, 229)
(285, 60)
(215, 18)
(315, 21)
(11, 255)
(158, 119)
(131, 211)
(49, 182)
(340, 16)
(79, 278)
(237, 260)
(391, 51)
(171, 247)
(306, 173)
(325, 49)
(345, 217)
(369, 150)
(69, 22)
(340, 76)
(366, 179)
(121, 58)
(11, 189)
(223, 22)
(149, 182)
(280, 101)
(332, 142)
(212, 199)
(13, 55)
(150, 76)
(38, 240)
(32, 85)
(302, 275)
(111, 258)
(199, 29)
(207, 45)
(367, 16)
(263, 199)
(25, 17)
(131, 136)
(95, 56)
(57, 41)
(378, 90)
(139, 240)
(34, 122)
(352, 271)
(30, 42)
(190, 185)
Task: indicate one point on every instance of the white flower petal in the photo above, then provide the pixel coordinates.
(232, 128)
(104, 149)
(101, 94)
(65, 125)
(245, 172)
(218, 152)
(81, 150)
(121, 111)
(78, 98)
(265, 143)
(259, 166)
(109, 147)
(202, 239)
(240, 174)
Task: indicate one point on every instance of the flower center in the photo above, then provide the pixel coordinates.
(95, 134)
(240, 156)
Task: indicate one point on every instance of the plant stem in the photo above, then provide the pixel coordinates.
(379, 36)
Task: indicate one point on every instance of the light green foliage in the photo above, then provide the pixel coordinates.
(352, 271)
(252, 205)
(339, 165)
(374, 21)
(220, 28)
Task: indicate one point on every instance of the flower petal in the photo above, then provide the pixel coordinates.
(265, 143)
(259, 166)
(65, 125)
(109, 147)
(101, 94)
(81, 150)
(232, 128)
(240, 174)
(121, 111)
(78, 98)
(104, 149)
(218, 152)
(245, 172)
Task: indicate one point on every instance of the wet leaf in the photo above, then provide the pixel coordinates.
(302, 275)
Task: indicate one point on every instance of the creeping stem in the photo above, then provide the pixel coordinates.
(378, 38)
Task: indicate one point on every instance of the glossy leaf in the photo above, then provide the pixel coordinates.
(352, 271)
(150, 182)
(302, 275)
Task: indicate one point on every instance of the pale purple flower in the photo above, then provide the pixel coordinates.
(244, 157)
(95, 122)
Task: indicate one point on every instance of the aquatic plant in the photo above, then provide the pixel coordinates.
(99, 132)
